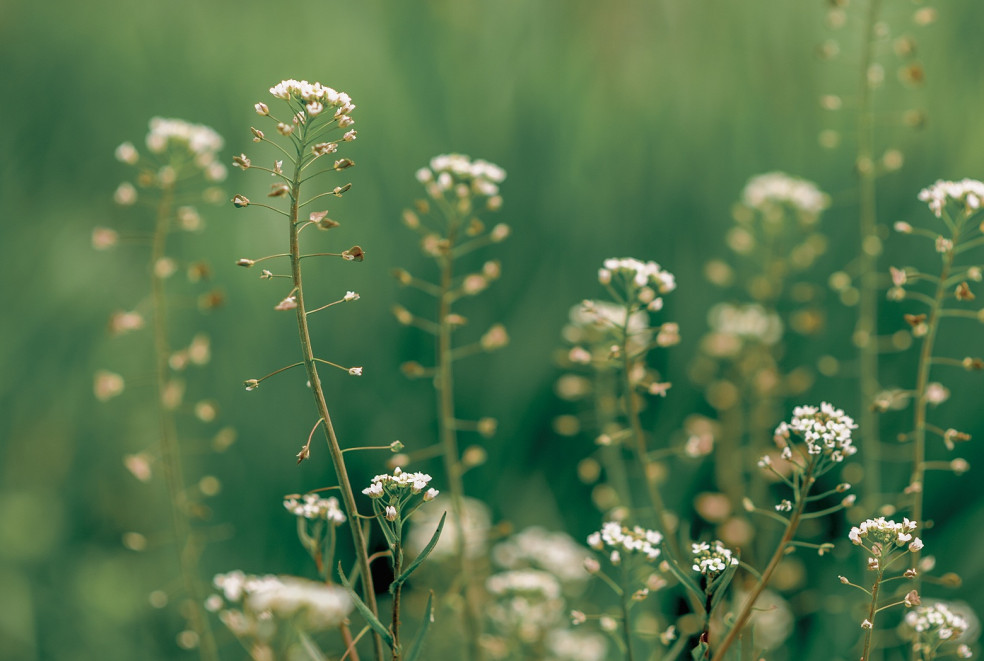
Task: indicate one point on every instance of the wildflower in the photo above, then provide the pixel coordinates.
(881, 533)
(107, 385)
(350, 296)
(712, 558)
(578, 617)
(125, 194)
(311, 506)
(289, 303)
(104, 238)
(430, 495)
(251, 384)
(476, 522)
(127, 153)
(390, 513)
(768, 191)
(825, 430)
(617, 538)
(240, 201)
(262, 109)
(536, 547)
(494, 338)
(314, 605)
(968, 193)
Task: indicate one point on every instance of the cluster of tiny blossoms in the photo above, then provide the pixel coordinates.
(883, 532)
(311, 506)
(399, 484)
(639, 273)
(826, 431)
(775, 188)
(202, 141)
(710, 559)
(935, 624)
(968, 192)
(448, 170)
(315, 97)
(312, 604)
(619, 538)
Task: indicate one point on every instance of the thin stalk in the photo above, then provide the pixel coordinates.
(639, 436)
(449, 442)
(780, 552)
(188, 550)
(395, 628)
(866, 330)
(872, 612)
(334, 448)
(922, 380)
(626, 625)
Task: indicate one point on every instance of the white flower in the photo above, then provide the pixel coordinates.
(710, 559)
(350, 296)
(967, 192)
(127, 153)
(312, 506)
(538, 548)
(766, 192)
(355, 371)
(826, 431)
(617, 537)
(390, 513)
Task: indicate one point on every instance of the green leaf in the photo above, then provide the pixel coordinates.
(401, 579)
(699, 652)
(685, 580)
(720, 584)
(370, 618)
(418, 642)
(391, 538)
(311, 648)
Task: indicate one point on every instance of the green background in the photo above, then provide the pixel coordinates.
(626, 128)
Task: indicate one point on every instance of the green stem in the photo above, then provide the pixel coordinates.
(777, 556)
(872, 612)
(188, 550)
(922, 380)
(639, 436)
(397, 568)
(866, 330)
(449, 443)
(626, 624)
(334, 448)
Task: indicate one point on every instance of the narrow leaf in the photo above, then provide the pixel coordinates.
(685, 580)
(721, 583)
(401, 579)
(371, 619)
(418, 642)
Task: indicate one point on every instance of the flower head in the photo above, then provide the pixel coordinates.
(968, 193)
(312, 506)
(825, 430)
(617, 539)
(712, 558)
(770, 192)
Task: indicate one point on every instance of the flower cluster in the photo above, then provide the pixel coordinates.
(619, 538)
(400, 484)
(313, 605)
(881, 532)
(314, 95)
(526, 603)
(639, 273)
(311, 506)
(449, 170)
(826, 431)
(710, 559)
(201, 141)
(476, 521)
(968, 192)
(536, 547)
(768, 191)
(935, 624)
(750, 321)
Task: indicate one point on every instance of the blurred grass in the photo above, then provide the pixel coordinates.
(625, 129)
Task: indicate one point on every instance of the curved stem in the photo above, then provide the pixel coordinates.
(334, 448)
(397, 568)
(777, 556)
(188, 550)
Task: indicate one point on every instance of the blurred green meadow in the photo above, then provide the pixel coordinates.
(626, 129)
